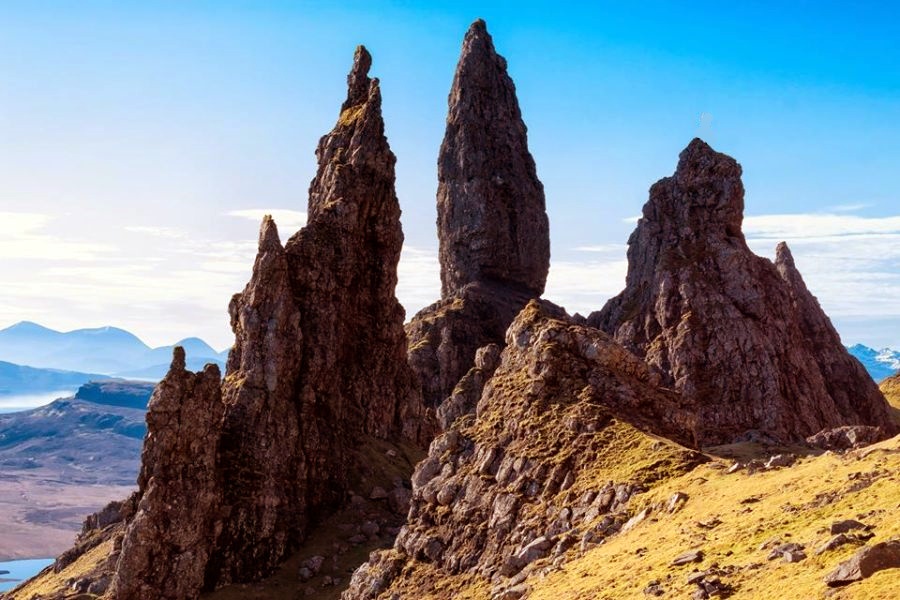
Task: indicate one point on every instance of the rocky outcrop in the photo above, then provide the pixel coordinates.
(492, 224)
(491, 218)
(320, 354)
(739, 335)
(518, 481)
(168, 542)
(234, 472)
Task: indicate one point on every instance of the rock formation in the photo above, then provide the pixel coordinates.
(170, 538)
(492, 224)
(742, 337)
(319, 359)
(517, 481)
(233, 473)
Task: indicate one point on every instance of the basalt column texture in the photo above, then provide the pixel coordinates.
(739, 335)
(492, 224)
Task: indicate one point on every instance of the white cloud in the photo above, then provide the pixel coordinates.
(818, 226)
(585, 286)
(850, 263)
(288, 221)
(23, 236)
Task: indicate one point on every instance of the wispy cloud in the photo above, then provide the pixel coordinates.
(816, 226)
(846, 207)
(288, 221)
(23, 236)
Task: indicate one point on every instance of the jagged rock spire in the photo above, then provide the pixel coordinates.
(737, 334)
(235, 472)
(492, 224)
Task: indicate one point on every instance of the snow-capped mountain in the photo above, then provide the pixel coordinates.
(879, 363)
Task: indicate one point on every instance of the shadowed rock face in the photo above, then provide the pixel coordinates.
(491, 218)
(319, 358)
(234, 473)
(740, 336)
(179, 491)
(492, 224)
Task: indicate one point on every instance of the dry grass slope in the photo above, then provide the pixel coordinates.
(796, 504)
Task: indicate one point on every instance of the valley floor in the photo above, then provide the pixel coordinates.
(40, 516)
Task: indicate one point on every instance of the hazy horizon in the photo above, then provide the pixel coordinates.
(142, 143)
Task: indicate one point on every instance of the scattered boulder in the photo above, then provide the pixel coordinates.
(687, 558)
(866, 562)
(847, 525)
(790, 552)
(847, 437)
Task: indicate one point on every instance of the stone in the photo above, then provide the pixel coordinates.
(739, 335)
(687, 558)
(493, 231)
(369, 529)
(234, 470)
(557, 380)
(848, 437)
(676, 502)
(635, 520)
(866, 562)
(847, 525)
(780, 460)
(491, 216)
(791, 549)
(378, 493)
(179, 488)
(314, 563)
(835, 542)
(654, 588)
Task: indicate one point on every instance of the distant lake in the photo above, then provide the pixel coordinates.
(20, 570)
(19, 402)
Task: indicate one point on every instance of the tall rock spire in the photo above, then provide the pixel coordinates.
(235, 473)
(492, 223)
(737, 334)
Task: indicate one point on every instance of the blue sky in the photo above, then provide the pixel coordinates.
(139, 141)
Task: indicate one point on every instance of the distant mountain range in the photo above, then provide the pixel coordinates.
(16, 379)
(106, 350)
(880, 364)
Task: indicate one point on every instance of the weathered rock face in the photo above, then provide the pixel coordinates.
(234, 472)
(319, 358)
(517, 481)
(169, 540)
(740, 336)
(491, 217)
(492, 224)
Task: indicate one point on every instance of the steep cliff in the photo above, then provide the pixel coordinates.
(741, 336)
(492, 224)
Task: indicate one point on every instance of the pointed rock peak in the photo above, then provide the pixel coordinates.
(358, 80)
(699, 158)
(268, 235)
(179, 362)
(492, 222)
(478, 50)
(783, 255)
